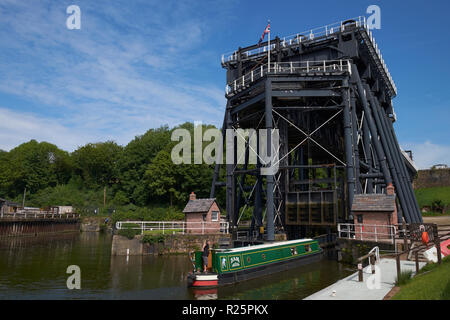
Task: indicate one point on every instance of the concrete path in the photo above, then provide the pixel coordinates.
(374, 287)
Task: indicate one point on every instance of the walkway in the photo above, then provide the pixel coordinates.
(351, 289)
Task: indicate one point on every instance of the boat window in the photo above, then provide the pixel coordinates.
(308, 248)
(293, 251)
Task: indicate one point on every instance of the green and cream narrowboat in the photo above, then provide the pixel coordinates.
(234, 265)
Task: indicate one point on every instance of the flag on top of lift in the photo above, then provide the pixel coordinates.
(267, 30)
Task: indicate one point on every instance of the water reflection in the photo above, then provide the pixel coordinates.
(35, 268)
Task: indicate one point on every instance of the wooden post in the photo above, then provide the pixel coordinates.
(438, 249)
(405, 239)
(416, 255)
(372, 262)
(360, 272)
(397, 258)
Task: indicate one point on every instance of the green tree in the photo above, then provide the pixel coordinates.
(33, 166)
(96, 163)
(133, 163)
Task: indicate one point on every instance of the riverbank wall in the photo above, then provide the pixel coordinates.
(169, 244)
(13, 227)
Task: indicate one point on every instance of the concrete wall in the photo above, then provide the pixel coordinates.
(432, 178)
(173, 244)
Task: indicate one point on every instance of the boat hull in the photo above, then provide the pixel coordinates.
(200, 280)
(255, 272)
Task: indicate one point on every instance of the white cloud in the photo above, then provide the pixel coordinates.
(427, 154)
(130, 68)
(18, 128)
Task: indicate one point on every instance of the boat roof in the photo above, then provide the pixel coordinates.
(265, 245)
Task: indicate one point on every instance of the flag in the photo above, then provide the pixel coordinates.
(267, 30)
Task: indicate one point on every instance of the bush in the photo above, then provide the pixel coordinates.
(128, 233)
(404, 277)
(446, 293)
(437, 206)
(148, 238)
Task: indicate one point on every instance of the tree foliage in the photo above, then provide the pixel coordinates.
(140, 174)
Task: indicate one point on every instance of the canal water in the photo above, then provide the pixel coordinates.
(35, 268)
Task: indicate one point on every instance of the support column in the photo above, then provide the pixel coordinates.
(372, 127)
(348, 145)
(394, 164)
(355, 134)
(269, 178)
(230, 190)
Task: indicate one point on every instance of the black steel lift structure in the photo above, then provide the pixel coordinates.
(329, 94)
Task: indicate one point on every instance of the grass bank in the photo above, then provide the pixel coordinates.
(435, 198)
(431, 283)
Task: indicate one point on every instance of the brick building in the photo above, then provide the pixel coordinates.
(374, 213)
(202, 215)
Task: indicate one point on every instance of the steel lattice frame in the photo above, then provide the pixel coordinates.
(332, 107)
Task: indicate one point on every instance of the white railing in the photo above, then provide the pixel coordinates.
(174, 227)
(368, 232)
(320, 32)
(329, 66)
(28, 214)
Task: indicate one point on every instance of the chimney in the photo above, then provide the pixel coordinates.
(192, 196)
(390, 190)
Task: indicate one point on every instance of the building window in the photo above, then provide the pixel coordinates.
(359, 218)
(215, 216)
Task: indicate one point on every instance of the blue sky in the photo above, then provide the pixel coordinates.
(139, 64)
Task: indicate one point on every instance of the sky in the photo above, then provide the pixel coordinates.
(139, 64)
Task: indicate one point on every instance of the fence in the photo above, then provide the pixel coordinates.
(369, 232)
(328, 66)
(321, 33)
(36, 214)
(175, 227)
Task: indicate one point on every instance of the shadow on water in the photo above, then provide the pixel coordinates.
(35, 268)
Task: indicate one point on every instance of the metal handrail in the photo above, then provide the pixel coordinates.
(352, 230)
(327, 30)
(297, 38)
(331, 66)
(174, 226)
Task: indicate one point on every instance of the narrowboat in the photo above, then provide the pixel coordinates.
(228, 266)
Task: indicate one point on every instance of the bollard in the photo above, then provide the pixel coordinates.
(372, 262)
(360, 272)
